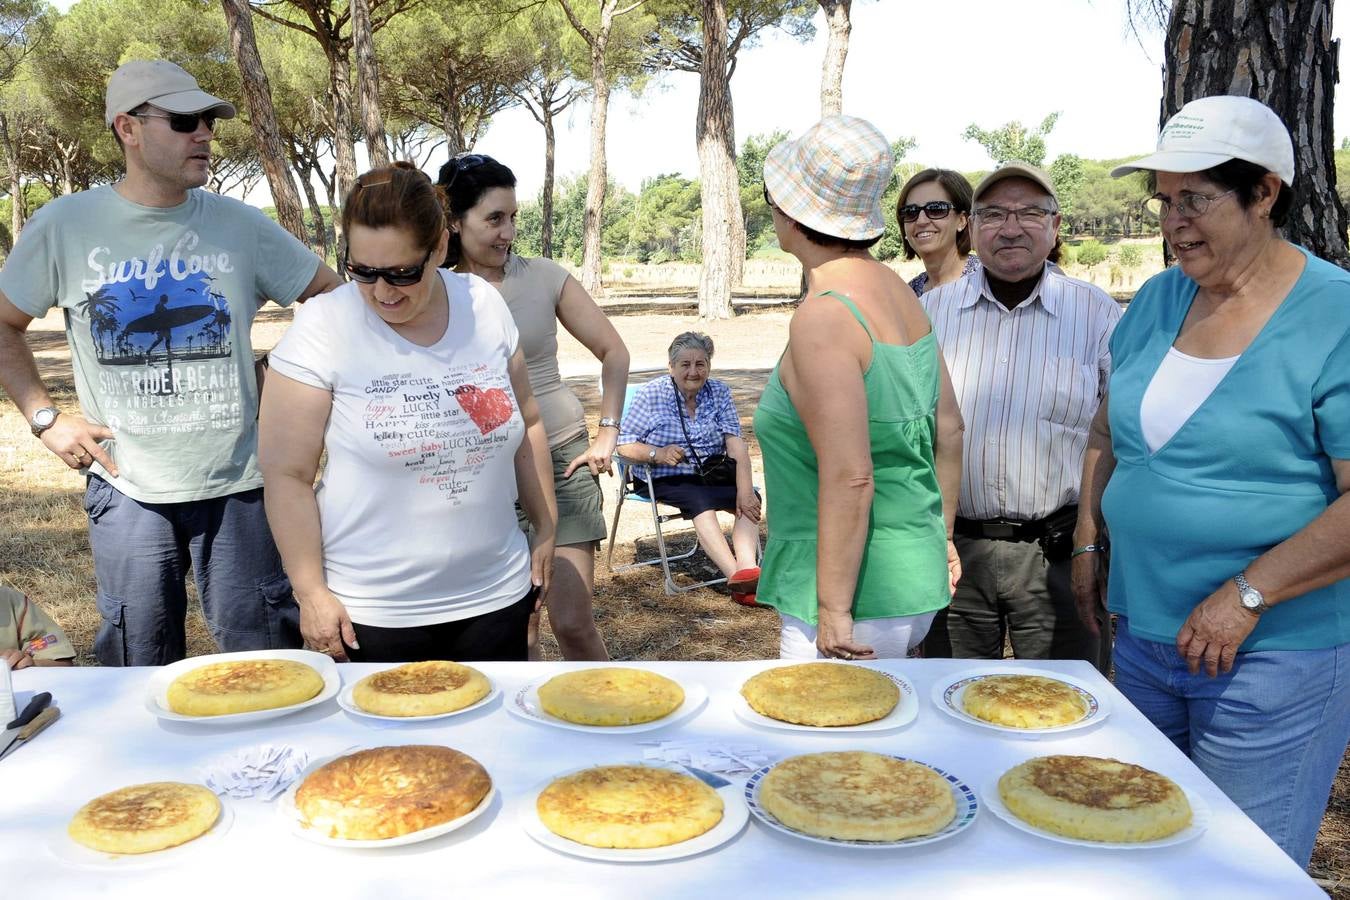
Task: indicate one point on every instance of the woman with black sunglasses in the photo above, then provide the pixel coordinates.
(480, 194)
(934, 214)
(412, 379)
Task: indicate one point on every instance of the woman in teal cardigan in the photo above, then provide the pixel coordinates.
(1218, 470)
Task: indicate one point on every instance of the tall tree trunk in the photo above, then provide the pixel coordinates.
(320, 237)
(836, 51)
(1281, 54)
(598, 181)
(263, 117)
(368, 84)
(735, 213)
(18, 207)
(344, 148)
(714, 115)
(67, 170)
(546, 194)
(454, 131)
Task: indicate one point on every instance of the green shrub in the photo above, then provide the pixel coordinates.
(1131, 256)
(1068, 255)
(1091, 252)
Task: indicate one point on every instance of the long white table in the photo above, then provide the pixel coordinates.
(106, 739)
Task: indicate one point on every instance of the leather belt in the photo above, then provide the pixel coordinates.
(1016, 529)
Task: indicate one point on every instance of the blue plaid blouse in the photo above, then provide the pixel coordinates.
(651, 419)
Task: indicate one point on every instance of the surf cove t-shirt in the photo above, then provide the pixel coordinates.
(158, 304)
(416, 502)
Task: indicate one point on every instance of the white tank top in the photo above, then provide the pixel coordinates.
(1178, 388)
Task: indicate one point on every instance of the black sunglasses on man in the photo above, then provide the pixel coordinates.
(183, 123)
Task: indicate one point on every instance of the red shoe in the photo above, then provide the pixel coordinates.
(745, 598)
(746, 581)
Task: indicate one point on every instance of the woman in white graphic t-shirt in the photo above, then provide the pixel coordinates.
(411, 379)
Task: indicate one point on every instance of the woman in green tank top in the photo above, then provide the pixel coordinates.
(858, 426)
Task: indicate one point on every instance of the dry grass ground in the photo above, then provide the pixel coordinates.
(44, 549)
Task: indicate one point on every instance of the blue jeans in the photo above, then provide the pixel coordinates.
(141, 557)
(1270, 733)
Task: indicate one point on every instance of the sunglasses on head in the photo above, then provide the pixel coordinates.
(398, 276)
(463, 163)
(183, 123)
(934, 209)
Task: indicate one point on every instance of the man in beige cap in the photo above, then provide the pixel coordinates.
(1027, 347)
(159, 282)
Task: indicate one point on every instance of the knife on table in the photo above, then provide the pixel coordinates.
(35, 716)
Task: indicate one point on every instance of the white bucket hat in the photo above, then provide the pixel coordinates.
(832, 177)
(1212, 130)
(160, 82)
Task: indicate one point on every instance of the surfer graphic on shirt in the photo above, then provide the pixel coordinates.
(179, 326)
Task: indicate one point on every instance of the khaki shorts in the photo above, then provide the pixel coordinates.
(581, 518)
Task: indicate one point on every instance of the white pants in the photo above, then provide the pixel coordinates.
(891, 638)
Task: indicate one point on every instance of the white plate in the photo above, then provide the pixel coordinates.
(525, 704)
(68, 851)
(157, 689)
(344, 699)
(967, 808)
(289, 814)
(734, 817)
(948, 694)
(1200, 816)
(905, 712)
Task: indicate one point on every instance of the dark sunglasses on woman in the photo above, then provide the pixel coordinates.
(183, 123)
(935, 209)
(398, 276)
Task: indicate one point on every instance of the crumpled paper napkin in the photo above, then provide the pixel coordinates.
(728, 759)
(263, 771)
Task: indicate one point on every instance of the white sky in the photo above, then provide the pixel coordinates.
(919, 69)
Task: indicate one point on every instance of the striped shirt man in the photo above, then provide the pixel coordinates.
(1028, 381)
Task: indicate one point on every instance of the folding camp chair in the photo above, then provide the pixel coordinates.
(659, 518)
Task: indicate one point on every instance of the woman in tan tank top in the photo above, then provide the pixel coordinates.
(480, 195)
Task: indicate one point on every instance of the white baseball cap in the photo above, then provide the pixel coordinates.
(1212, 130)
(162, 83)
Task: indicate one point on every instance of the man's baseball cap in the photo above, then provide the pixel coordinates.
(162, 83)
(1212, 130)
(1015, 170)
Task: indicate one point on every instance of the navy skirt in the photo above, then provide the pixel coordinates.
(689, 495)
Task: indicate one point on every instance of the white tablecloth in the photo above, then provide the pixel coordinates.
(106, 739)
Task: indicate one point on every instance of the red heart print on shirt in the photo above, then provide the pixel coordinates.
(489, 409)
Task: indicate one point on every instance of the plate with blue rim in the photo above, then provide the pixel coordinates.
(949, 696)
(967, 808)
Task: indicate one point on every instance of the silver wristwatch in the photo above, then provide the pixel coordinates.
(43, 419)
(1252, 600)
(651, 456)
(607, 422)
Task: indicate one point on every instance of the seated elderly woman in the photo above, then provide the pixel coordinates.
(1219, 468)
(685, 430)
